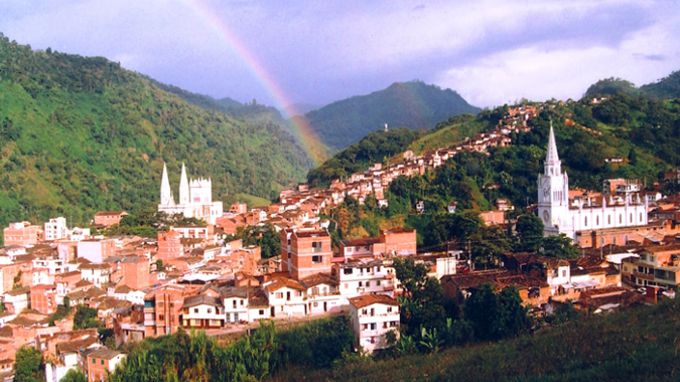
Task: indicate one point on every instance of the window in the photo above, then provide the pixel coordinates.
(261, 312)
(233, 304)
(361, 283)
(347, 271)
(317, 246)
(94, 361)
(640, 216)
(620, 218)
(372, 312)
(102, 361)
(389, 309)
(160, 317)
(373, 326)
(609, 219)
(364, 311)
(241, 302)
(317, 259)
(279, 294)
(377, 282)
(195, 310)
(209, 310)
(597, 220)
(385, 325)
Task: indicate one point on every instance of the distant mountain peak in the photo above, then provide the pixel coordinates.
(412, 104)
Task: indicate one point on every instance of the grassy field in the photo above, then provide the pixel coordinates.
(640, 344)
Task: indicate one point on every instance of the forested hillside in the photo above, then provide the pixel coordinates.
(81, 134)
(414, 105)
(625, 136)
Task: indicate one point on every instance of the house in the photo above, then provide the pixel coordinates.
(322, 294)
(43, 298)
(101, 363)
(373, 317)
(108, 218)
(202, 312)
(286, 297)
(97, 274)
(56, 229)
(169, 245)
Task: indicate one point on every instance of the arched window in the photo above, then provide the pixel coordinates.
(620, 218)
(631, 218)
(585, 221)
(640, 217)
(597, 220)
(609, 219)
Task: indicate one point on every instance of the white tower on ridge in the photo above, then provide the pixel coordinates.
(553, 192)
(166, 192)
(184, 196)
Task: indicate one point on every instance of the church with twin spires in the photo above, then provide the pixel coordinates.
(195, 198)
(571, 216)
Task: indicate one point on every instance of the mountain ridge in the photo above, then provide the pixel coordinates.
(411, 104)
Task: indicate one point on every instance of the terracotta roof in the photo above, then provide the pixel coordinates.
(281, 282)
(319, 278)
(105, 353)
(201, 299)
(370, 299)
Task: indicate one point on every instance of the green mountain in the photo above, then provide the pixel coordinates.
(667, 87)
(610, 86)
(81, 134)
(414, 105)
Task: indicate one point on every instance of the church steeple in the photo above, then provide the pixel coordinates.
(552, 165)
(166, 192)
(184, 187)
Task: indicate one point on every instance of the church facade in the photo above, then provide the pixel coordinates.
(571, 216)
(195, 198)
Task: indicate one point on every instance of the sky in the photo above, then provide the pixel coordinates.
(316, 52)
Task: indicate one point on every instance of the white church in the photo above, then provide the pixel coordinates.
(562, 215)
(195, 198)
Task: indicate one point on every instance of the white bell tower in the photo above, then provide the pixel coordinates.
(553, 193)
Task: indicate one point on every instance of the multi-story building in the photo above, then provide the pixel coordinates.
(657, 266)
(169, 245)
(162, 309)
(202, 312)
(22, 234)
(355, 278)
(97, 274)
(286, 297)
(373, 317)
(56, 229)
(96, 250)
(310, 253)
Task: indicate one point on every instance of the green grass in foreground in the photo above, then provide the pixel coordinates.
(640, 344)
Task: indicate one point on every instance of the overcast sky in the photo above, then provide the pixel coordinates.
(491, 52)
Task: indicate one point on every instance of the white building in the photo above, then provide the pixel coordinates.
(286, 298)
(562, 215)
(355, 278)
(372, 317)
(56, 229)
(195, 198)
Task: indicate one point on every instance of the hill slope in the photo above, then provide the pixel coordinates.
(667, 87)
(82, 134)
(414, 105)
(639, 344)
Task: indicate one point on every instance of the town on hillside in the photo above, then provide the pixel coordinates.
(79, 295)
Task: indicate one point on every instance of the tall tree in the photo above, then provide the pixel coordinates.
(29, 366)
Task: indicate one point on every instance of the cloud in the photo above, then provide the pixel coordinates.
(539, 73)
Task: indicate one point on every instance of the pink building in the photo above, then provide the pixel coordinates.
(169, 245)
(135, 270)
(44, 298)
(108, 218)
(23, 234)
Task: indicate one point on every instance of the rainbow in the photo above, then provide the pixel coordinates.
(310, 141)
